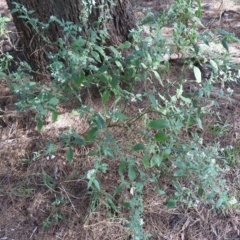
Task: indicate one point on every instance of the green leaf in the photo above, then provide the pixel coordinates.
(131, 173)
(103, 69)
(69, 154)
(158, 124)
(121, 167)
(120, 116)
(97, 121)
(53, 101)
(118, 189)
(143, 65)
(223, 32)
(157, 76)
(149, 58)
(146, 161)
(179, 173)
(100, 122)
(54, 116)
(200, 192)
(93, 153)
(99, 49)
(161, 137)
(138, 146)
(196, 48)
(171, 203)
(214, 65)
(125, 45)
(114, 50)
(78, 79)
(155, 160)
(186, 100)
(220, 202)
(6, 19)
(211, 196)
(105, 96)
(177, 186)
(197, 74)
(39, 124)
(114, 82)
(129, 73)
(160, 191)
(148, 20)
(96, 56)
(153, 100)
(91, 134)
(96, 183)
(105, 79)
(2, 74)
(180, 164)
(166, 152)
(126, 204)
(204, 39)
(190, 121)
(78, 44)
(199, 122)
(225, 44)
(107, 152)
(119, 65)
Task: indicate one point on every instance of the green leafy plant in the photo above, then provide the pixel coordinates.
(154, 142)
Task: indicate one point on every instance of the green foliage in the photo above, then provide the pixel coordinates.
(195, 171)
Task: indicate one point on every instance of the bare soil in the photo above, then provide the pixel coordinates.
(31, 209)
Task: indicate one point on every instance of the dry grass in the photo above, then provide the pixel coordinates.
(28, 200)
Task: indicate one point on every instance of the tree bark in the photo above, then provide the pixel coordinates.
(120, 20)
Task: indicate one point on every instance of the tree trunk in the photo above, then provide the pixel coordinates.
(120, 20)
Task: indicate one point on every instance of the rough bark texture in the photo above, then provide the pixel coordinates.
(120, 22)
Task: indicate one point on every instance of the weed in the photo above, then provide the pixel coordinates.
(153, 144)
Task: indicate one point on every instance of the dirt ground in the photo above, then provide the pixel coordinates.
(31, 209)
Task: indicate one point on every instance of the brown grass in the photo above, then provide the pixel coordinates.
(28, 200)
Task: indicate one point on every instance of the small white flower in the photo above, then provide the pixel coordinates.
(52, 157)
(37, 101)
(24, 9)
(238, 75)
(93, 2)
(141, 221)
(226, 169)
(221, 73)
(61, 80)
(132, 190)
(48, 157)
(232, 201)
(229, 90)
(213, 161)
(200, 141)
(133, 99)
(190, 155)
(90, 173)
(196, 204)
(174, 166)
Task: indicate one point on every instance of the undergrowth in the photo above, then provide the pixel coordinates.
(161, 139)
